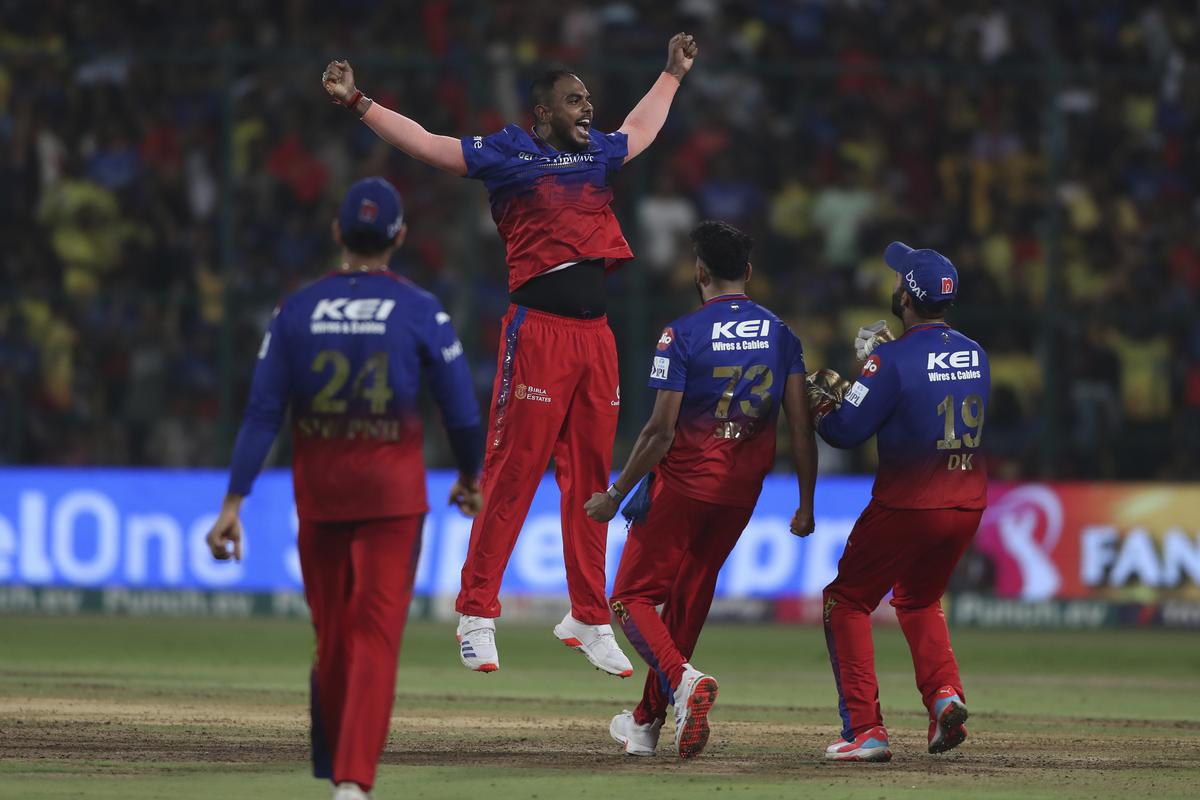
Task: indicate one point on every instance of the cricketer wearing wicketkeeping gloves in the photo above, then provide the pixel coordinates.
(347, 355)
(556, 391)
(722, 373)
(924, 397)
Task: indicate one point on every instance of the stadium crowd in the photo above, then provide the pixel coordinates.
(169, 173)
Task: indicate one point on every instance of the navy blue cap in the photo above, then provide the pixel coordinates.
(373, 205)
(928, 275)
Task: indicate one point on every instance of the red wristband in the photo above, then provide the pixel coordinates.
(353, 101)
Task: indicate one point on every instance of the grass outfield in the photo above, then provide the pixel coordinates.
(173, 708)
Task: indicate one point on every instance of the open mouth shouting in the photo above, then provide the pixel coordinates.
(583, 127)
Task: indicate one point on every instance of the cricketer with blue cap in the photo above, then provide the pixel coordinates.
(371, 217)
(347, 354)
(927, 275)
(924, 398)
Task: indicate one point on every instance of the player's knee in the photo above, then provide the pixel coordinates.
(622, 604)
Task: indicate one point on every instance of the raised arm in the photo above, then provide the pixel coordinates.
(443, 152)
(647, 117)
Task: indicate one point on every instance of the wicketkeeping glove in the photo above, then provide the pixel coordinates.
(870, 337)
(825, 389)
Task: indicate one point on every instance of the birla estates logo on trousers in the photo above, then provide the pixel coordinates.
(534, 393)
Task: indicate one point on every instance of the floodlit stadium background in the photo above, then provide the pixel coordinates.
(169, 172)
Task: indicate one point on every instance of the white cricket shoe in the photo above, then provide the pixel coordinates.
(348, 790)
(695, 696)
(638, 740)
(477, 644)
(597, 643)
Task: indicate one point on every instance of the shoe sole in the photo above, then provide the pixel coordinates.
(872, 756)
(695, 728)
(485, 668)
(950, 724)
(574, 643)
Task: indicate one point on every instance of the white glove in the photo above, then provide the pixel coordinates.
(870, 337)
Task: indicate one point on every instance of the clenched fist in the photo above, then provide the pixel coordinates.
(825, 389)
(338, 80)
(681, 52)
(870, 337)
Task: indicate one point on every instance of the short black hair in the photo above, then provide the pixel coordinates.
(932, 310)
(724, 249)
(366, 242)
(542, 87)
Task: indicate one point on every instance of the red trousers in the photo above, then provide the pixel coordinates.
(912, 552)
(557, 394)
(671, 559)
(358, 579)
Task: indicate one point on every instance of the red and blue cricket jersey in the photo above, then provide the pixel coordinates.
(925, 398)
(347, 354)
(731, 358)
(550, 207)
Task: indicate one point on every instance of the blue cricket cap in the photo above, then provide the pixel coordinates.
(373, 205)
(927, 274)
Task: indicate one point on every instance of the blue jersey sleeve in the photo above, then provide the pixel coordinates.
(269, 395)
(669, 368)
(484, 154)
(866, 406)
(450, 380)
(616, 148)
(795, 353)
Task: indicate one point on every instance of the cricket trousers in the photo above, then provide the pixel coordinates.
(358, 580)
(671, 559)
(912, 552)
(557, 394)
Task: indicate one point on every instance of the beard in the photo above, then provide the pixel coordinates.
(896, 307)
(699, 291)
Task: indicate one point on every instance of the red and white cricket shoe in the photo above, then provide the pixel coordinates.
(946, 728)
(597, 643)
(693, 699)
(870, 745)
(477, 644)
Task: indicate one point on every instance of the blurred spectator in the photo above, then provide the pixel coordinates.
(159, 198)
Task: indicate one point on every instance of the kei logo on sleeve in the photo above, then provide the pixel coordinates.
(871, 367)
(664, 341)
(662, 366)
